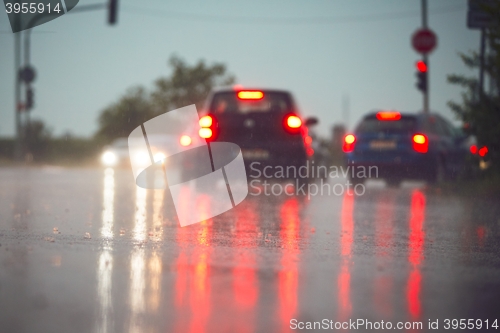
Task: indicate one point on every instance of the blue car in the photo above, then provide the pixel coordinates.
(396, 146)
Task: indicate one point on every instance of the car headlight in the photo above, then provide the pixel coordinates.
(142, 158)
(159, 157)
(109, 158)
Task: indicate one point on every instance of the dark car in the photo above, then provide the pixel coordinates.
(264, 123)
(398, 146)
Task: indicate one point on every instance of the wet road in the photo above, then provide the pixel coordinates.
(84, 250)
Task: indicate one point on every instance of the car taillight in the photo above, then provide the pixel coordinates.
(292, 123)
(250, 94)
(349, 141)
(473, 149)
(185, 140)
(483, 151)
(205, 133)
(420, 143)
(206, 121)
(208, 127)
(388, 115)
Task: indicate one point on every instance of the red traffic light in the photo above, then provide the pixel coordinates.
(421, 66)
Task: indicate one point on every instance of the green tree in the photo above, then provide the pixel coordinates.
(480, 110)
(186, 85)
(120, 118)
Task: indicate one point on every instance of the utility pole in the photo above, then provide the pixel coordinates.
(425, 58)
(17, 91)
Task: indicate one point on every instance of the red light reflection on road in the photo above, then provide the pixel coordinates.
(384, 229)
(192, 280)
(344, 278)
(245, 286)
(416, 251)
(245, 282)
(288, 275)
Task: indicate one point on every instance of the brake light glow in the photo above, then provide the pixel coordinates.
(349, 141)
(185, 140)
(293, 122)
(388, 115)
(253, 94)
(483, 151)
(205, 133)
(420, 143)
(473, 149)
(206, 121)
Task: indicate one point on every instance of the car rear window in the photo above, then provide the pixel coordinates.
(373, 126)
(228, 102)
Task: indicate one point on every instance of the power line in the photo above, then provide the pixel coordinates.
(286, 21)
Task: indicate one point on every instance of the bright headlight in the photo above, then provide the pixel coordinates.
(109, 158)
(159, 157)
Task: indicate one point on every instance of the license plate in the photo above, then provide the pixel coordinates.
(379, 144)
(255, 154)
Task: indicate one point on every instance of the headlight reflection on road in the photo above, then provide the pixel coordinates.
(137, 262)
(108, 204)
(105, 263)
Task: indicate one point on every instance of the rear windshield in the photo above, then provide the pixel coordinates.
(375, 126)
(228, 102)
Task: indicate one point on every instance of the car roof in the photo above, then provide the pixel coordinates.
(238, 88)
(418, 114)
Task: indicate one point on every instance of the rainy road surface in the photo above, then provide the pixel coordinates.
(82, 250)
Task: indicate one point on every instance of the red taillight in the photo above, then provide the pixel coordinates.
(420, 143)
(349, 141)
(185, 140)
(292, 123)
(250, 94)
(208, 127)
(206, 121)
(483, 151)
(205, 133)
(473, 149)
(388, 115)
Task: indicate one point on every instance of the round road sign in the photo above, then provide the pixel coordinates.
(27, 74)
(424, 41)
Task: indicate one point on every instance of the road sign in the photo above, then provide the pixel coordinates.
(424, 41)
(481, 14)
(27, 74)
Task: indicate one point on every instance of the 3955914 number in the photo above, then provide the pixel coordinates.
(470, 324)
(31, 7)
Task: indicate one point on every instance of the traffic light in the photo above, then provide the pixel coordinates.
(421, 76)
(112, 11)
(29, 98)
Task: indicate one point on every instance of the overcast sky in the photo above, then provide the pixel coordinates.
(319, 50)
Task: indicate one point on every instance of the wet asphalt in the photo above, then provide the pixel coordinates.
(85, 250)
